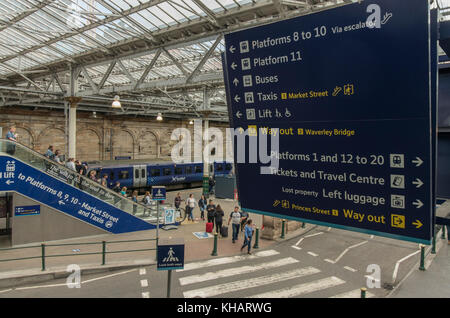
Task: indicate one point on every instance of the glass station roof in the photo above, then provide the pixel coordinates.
(36, 32)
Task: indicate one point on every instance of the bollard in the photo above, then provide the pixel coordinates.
(422, 257)
(363, 292)
(43, 256)
(443, 232)
(433, 245)
(303, 225)
(256, 239)
(283, 223)
(214, 252)
(103, 252)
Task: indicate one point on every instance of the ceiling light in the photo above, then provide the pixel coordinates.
(191, 122)
(159, 117)
(116, 102)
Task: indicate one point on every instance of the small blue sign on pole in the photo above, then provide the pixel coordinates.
(159, 193)
(170, 254)
(27, 210)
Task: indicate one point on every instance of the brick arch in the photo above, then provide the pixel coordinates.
(121, 146)
(89, 144)
(45, 138)
(148, 145)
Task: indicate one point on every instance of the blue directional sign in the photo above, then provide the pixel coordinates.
(41, 187)
(170, 254)
(158, 193)
(338, 116)
(27, 210)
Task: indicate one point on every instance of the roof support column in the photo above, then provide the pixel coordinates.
(72, 131)
(206, 152)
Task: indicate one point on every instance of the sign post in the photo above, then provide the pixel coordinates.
(336, 137)
(158, 194)
(170, 256)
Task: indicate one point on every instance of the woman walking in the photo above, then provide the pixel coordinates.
(248, 234)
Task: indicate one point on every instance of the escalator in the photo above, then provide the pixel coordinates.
(34, 176)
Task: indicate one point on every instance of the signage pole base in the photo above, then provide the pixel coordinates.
(169, 279)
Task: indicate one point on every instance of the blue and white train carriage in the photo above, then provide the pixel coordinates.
(143, 174)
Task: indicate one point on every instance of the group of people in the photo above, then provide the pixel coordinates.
(215, 214)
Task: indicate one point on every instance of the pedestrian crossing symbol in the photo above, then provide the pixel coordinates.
(170, 254)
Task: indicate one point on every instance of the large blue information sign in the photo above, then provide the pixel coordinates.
(336, 107)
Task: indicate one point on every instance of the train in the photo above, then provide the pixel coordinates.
(142, 174)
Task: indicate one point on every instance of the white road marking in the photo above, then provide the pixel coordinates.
(226, 260)
(296, 247)
(348, 249)
(108, 276)
(302, 288)
(5, 291)
(350, 269)
(146, 295)
(235, 271)
(142, 271)
(313, 254)
(43, 286)
(372, 278)
(249, 283)
(329, 261)
(353, 294)
(311, 235)
(397, 265)
(144, 283)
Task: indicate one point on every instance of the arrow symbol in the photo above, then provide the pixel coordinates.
(418, 204)
(418, 162)
(233, 66)
(232, 49)
(61, 202)
(418, 224)
(8, 182)
(235, 82)
(237, 98)
(239, 114)
(418, 183)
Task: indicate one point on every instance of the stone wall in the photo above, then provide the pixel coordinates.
(101, 138)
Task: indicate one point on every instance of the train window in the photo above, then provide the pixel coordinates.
(136, 174)
(188, 170)
(123, 175)
(178, 170)
(228, 166)
(219, 167)
(143, 173)
(111, 175)
(167, 171)
(155, 172)
(198, 169)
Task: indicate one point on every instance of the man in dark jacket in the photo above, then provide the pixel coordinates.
(211, 211)
(218, 216)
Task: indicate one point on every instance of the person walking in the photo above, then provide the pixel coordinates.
(49, 153)
(134, 196)
(211, 210)
(70, 164)
(218, 217)
(177, 201)
(93, 175)
(244, 218)
(104, 181)
(202, 205)
(190, 205)
(57, 157)
(248, 234)
(235, 218)
(147, 200)
(11, 136)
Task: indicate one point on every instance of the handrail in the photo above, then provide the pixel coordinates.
(43, 246)
(82, 177)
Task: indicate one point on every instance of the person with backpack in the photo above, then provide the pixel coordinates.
(210, 211)
(202, 205)
(235, 218)
(218, 217)
(248, 234)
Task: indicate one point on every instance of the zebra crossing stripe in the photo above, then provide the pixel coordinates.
(249, 283)
(235, 271)
(146, 295)
(302, 288)
(226, 260)
(353, 294)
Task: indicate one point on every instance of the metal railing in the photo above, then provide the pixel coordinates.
(74, 179)
(43, 247)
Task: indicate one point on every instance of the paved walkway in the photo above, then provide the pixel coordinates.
(434, 282)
